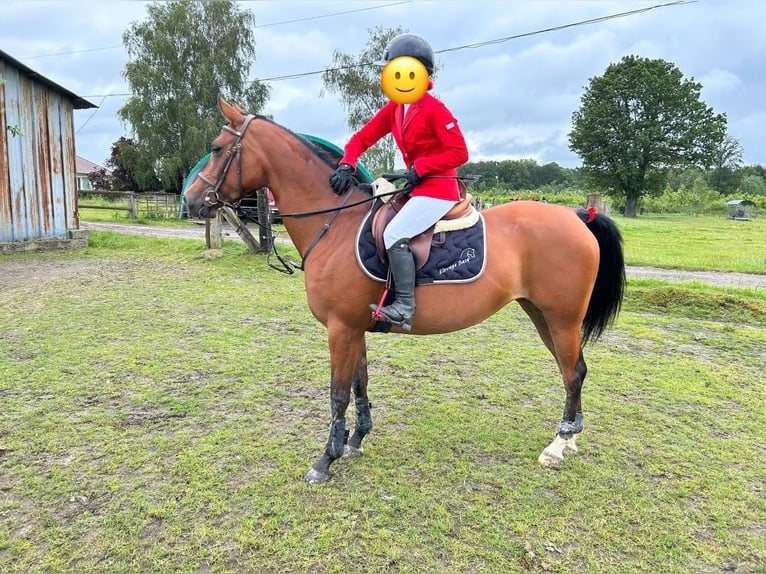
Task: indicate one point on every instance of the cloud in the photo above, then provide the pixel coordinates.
(513, 99)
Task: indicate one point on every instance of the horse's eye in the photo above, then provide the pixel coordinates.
(215, 149)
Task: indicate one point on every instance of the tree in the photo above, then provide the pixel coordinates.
(131, 169)
(181, 57)
(728, 158)
(636, 121)
(357, 81)
(99, 179)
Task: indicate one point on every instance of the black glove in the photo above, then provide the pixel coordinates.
(412, 176)
(342, 178)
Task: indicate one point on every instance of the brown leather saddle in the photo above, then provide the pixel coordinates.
(420, 244)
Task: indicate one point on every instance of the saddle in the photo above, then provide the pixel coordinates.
(461, 216)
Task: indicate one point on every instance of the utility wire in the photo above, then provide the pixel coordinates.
(306, 19)
(489, 42)
(90, 117)
(456, 48)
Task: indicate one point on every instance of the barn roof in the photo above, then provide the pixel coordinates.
(78, 102)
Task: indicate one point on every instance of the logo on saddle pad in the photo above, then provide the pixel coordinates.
(451, 252)
(465, 258)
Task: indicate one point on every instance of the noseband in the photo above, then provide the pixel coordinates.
(211, 197)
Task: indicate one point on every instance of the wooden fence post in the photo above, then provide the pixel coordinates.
(213, 234)
(132, 207)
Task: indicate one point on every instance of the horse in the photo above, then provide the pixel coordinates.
(564, 266)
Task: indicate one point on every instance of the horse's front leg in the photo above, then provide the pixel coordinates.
(346, 350)
(362, 403)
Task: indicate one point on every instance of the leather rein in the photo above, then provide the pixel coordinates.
(212, 199)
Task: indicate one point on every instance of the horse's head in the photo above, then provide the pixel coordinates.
(232, 170)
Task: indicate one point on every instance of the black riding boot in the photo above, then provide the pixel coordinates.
(402, 263)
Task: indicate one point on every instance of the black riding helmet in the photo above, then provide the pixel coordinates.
(409, 45)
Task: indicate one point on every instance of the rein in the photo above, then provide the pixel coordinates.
(212, 199)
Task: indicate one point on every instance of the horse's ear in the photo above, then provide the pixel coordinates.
(230, 111)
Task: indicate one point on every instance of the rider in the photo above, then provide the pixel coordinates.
(432, 146)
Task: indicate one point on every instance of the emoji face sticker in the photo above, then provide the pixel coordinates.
(404, 80)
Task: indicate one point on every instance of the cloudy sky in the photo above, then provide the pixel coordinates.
(514, 99)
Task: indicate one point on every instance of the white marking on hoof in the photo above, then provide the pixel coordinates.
(314, 477)
(554, 452)
(549, 459)
(570, 447)
(352, 452)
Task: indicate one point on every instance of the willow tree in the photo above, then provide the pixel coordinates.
(181, 57)
(636, 121)
(356, 79)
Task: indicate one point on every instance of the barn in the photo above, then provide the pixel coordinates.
(38, 185)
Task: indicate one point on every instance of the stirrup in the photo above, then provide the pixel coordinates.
(379, 314)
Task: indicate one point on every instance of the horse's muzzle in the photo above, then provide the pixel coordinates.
(198, 207)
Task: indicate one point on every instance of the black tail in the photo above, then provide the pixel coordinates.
(606, 299)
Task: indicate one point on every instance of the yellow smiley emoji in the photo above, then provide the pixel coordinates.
(404, 80)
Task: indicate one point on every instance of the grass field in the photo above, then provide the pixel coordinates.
(160, 410)
(695, 243)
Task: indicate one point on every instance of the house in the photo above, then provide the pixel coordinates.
(83, 168)
(38, 184)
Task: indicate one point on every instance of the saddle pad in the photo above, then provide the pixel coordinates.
(460, 258)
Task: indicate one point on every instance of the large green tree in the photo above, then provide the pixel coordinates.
(639, 119)
(357, 81)
(181, 57)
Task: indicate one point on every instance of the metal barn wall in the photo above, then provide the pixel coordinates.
(38, 194)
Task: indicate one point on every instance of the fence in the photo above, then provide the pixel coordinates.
(148, 204)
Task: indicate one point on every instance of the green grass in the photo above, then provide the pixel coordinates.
(694, 243)
(160, 409)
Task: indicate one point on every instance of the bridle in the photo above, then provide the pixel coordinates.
(211, 197)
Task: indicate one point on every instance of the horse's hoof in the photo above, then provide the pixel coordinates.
(315, 477)
(550, 459)
(352, 452)
(570, 447)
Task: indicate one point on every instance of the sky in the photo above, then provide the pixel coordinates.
(513, 98)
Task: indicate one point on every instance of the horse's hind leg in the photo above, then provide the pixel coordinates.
(564, 345)
(361, 402)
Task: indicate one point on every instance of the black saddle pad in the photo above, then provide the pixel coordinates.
(458, 258)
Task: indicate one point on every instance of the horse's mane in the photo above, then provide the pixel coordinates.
(327, 156)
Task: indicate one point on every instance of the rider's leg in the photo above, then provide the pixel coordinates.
(417, 215)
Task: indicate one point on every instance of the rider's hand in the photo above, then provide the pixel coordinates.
(412, 176)
(342, 178)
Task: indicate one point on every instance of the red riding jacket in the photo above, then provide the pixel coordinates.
(428, 137)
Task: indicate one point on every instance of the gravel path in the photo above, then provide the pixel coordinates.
(197, 231)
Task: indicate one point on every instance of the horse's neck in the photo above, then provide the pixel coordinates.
(299, 181)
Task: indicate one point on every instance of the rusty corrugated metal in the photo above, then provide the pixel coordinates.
(38, 193)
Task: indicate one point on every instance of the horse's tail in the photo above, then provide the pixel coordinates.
(609, 290)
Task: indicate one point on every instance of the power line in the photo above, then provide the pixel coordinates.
(332, 14)
(306, 19)
(495, 41)
(455, 48)
(90, 117)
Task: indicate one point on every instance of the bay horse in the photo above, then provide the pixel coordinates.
(564, 267)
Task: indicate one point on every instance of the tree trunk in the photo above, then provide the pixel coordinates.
(631, 205)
